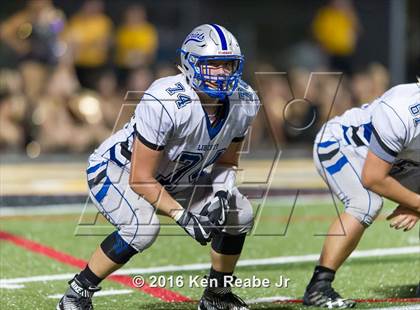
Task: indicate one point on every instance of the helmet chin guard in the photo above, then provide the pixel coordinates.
(207, 43)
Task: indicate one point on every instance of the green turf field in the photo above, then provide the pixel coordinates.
(277, 233)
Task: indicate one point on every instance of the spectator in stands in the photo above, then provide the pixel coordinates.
(67, 118)
(361, 86)
(334, 98)
(380, 78)
(300, 115)
(33, 35)
(290, 118)
(136, 41)
(165, 69)
(137, 82)
(274, 93)
(369, 83)
(111, 100)
(336, 28)
(140, 80)
(89, 34)
(12, 110)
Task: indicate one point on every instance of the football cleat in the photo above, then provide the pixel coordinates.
(77, 297)
(321, 294)
(226, 301)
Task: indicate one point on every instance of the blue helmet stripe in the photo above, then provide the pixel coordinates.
(221, 36)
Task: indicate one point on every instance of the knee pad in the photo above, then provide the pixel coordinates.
(365, 208)
(117, 249)
(228, 244)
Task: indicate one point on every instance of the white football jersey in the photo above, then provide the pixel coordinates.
(389, 126)
(171, 118)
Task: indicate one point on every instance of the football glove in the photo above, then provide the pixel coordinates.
(217, 208)
(197, 226)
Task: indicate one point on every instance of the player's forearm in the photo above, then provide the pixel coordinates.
(157, 196)
(390, 188)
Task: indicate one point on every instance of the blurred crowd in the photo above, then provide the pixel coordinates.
(297, 104)
(63, 78)
(66, 85)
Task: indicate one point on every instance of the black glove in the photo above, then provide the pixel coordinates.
(197, 226)
(217, 209)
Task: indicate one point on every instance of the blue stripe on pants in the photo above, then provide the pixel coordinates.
(96, 167)
(338, 165)
(103, 191)
(326, 143)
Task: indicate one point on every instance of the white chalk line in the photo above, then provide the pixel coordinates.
(98, 294)
(268, 299)
(8, 283)
(12, 286)
(286, 298)
(46, 210)
(411, 307)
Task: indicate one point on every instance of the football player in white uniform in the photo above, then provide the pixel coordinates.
(364, 155)
(178, 156)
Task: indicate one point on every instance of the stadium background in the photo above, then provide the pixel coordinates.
(65, 67)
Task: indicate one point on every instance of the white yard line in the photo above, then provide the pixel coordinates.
(271, 261)
(285, 298)
(12, 286)
(268, 299)
(44, 278)
(76, 208)
(192, 267)
(101, 293)
(411, 307)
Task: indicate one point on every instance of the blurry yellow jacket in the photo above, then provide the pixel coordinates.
(335, 31)
(134, 40)
(90, 37)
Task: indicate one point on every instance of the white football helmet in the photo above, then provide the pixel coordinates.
(206, 43)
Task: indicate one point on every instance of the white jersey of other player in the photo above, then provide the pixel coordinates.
(170, 117)
(389, 126)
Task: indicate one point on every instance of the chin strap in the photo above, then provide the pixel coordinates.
(181, 69)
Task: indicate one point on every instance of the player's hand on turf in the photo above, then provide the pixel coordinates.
(197, 226)
(403, 217)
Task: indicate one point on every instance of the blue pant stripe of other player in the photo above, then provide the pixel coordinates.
(177, 156)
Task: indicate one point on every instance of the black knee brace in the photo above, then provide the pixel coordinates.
(117, 249)
(228, 244)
